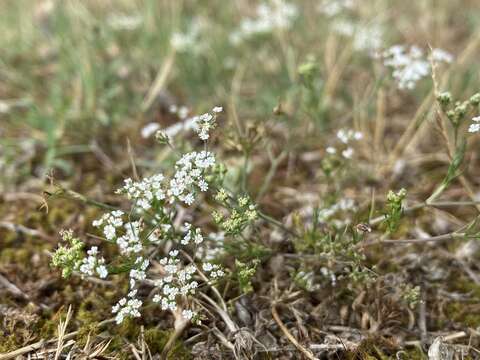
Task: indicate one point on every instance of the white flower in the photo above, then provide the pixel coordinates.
(347, 153)
(150, 129)
(127, 307)
(334, 7)
(411, 66)
(441, 56)
(365, 36)
(91, 264)
(473, 128)
(345, 136)
(331, 150)
(145, 192)
(139, 273)
(130, 242)
(344, 205)
(102, 271)
(217, 109)
(182, 112)
(275, 14)
(203, 124)
(203, 185)
(188, 199)
(190, 39)
(188, 314)
(189, 176)
(109, 232)
(124, 22)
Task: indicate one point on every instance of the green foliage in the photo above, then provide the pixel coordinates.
(312, 91)
(245, 250)
(242, 213)
(453, 171)
(411, 294)
(68, 257)
(244, 273)
(394, 210)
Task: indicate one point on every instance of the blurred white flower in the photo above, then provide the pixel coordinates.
(124, 22)
(271, 15)
(149, 129)
(333, 8)
(475, 127)
(410, 65)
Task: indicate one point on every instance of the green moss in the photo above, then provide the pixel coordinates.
(128, 329)
(411, 354)
(93, 309)
(15, 255)
(466, 286)
(462, 313)
(375, 348)
(85, 331)
(157, 339)
(8, 343)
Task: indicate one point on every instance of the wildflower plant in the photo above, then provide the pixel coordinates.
(242, 212)
(455, 114)
(394, 210)
(245, 273)
(152, 222)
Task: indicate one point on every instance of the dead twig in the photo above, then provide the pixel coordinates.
(289, 336)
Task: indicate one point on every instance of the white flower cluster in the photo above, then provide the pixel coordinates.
(177, 282)
(192, 234)
(411, 65)
(345, 136)
(154, 203)
(189, 40)
(365, 36)
(344, 205)
(189, 175)
(126, 235)
(173, 130)
(368, 37)
(124, 22)
(213, 270)
(475, 126)
(441, 55)
(139, 271)
(130, 242)
(333, 8)
(92, 264)
(208, 253)
(128, 306)
(144, 192)
(180, 111)
(202, 124)
(272, 15)
(110, 222)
